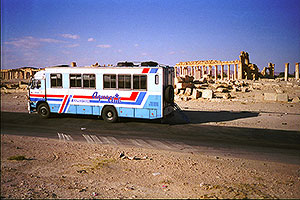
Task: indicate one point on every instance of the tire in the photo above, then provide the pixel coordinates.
(169, 94)
(43, 110)
(109, 114)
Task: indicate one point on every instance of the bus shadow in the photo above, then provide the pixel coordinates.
(199, 117)
(195, 117)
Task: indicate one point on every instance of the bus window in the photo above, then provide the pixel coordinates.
(140, 82)
(109, 81)
(124, 81)
(156, 79)
(75, 80)
(56, 80)
(35, 84)
(89, 81)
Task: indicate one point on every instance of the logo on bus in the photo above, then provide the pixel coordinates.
(111, 99)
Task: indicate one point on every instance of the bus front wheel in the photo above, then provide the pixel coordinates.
(109, 114)
(43, 110)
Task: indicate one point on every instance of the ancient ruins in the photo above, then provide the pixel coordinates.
(195, 79)
(242, 69)
(24, 73)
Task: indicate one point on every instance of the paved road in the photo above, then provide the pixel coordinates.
(262, 144)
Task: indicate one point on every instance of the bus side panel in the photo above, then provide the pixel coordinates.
(72, 109)
(142, 113)
(126, 112)
(54, 108)
(97, 110)
(85, 110)
(154, 103)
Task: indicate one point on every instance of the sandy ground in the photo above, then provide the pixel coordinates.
(61, 169)
(57, 169)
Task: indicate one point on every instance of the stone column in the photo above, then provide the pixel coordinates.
(286, 72)
(216, 72)
(297, 71)
(240, 71)
(203, 72)
(210, 70)
(228, 72)
(199, 71)
(235, 72)
(222, 72)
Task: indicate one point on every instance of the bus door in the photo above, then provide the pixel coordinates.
(168, 89)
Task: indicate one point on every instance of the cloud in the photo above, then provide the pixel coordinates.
(30, 42)
(136, 45)
(172, 53)
(70, 36)
(144, 54)
(105, 46)
(91, 40)
(50, 40)
(72, 45)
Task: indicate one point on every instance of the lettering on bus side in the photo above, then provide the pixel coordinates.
(111, 99)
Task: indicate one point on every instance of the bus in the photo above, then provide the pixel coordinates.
(143, 90)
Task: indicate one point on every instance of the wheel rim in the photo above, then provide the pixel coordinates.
(44, 111)
(109, 115)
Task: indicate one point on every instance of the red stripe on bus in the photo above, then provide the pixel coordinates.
(82, 97)
(145, 70)
(131, 98)
(53, 95)
(48, 95)
(63, 104)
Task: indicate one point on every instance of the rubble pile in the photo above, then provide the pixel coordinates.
(12, 87)
(186, 88)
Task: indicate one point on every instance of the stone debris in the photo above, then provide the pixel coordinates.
(207, 94)
(282, 97)
(269, 90)
(296, 100)
(123, 156)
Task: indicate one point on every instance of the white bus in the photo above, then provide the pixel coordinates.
(125, 90)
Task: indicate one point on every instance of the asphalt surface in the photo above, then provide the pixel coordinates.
(175, 134)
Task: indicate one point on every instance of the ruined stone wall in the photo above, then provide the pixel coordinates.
(20, 73)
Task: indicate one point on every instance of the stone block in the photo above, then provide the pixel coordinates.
(196, 94)
(270, 96)
(296, 100)
(180, 79)
(188, 91)
(181, 91)
(259, 97)
(186, 98)
(226, 96)
(222, 90)
(282, 97)
(207, 94)
(245, 89)
(182, 85)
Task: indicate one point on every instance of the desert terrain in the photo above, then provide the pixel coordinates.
(33, 167)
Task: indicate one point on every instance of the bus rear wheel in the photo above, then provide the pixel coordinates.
(109, 114)
(43, 110)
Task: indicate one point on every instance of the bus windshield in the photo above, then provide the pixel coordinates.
(35, 84)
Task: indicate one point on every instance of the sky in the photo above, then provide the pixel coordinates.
(41, 33)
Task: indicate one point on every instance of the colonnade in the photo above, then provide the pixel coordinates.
(214, 69)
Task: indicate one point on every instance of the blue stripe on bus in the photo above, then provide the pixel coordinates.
(54, 99)
(67, 104)
(37, 99)
(138, 101)
(153, 70)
